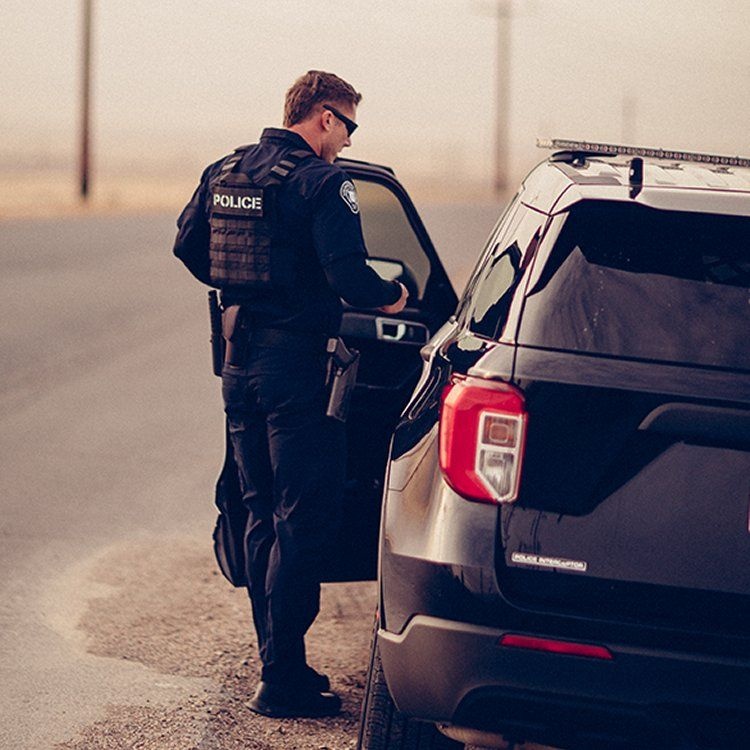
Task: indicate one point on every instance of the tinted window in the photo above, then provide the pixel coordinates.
(501, 271)
(632, 281)
(387, 231)
(503, 222)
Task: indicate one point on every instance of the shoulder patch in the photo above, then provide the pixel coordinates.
(349, 193)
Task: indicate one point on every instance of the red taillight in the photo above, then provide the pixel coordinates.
(482, 433)
(568, 648)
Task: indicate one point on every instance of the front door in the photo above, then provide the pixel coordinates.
(389, 345)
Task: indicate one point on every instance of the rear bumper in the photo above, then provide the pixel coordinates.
(453, 672)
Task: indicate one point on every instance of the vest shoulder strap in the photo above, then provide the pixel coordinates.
(271, 177)
(281, 171)
(232, 163)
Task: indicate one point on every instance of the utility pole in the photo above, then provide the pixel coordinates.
(85, 101)
(629, 118)
(504, 13)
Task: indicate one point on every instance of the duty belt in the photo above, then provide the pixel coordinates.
(278, 338)
(239, 332)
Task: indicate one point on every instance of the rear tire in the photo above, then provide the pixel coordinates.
(382, 727)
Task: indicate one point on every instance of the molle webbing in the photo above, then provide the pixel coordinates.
(237, 258)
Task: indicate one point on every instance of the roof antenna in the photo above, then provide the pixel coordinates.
(635, 176)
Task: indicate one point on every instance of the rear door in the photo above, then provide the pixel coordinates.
(390, 362)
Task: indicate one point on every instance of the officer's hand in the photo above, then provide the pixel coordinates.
(399, 304)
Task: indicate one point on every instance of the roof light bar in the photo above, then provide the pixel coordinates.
(613, 149)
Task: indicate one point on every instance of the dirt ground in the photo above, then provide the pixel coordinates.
(168, 608)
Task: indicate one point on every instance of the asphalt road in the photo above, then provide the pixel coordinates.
(111, 438)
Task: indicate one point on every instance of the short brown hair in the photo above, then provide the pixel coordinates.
(316, 87)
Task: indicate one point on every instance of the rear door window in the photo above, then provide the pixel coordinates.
(501, 271)
(626, 280)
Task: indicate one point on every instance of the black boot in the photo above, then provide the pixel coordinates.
(284, 701)
(316, 680)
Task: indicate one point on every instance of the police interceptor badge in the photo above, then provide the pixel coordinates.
(349, 193)
(544, 561)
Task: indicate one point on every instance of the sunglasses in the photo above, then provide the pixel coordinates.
(350, 125)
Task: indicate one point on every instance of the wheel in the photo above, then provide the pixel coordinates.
(382, 727)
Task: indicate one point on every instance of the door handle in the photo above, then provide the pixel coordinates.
(390, 330)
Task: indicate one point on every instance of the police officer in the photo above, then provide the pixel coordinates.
(276, 227)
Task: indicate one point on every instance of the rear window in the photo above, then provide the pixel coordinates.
(631, 281)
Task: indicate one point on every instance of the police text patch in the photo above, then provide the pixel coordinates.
(349, 193)
(238, 201)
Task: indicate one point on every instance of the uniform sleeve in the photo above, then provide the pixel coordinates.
(191, 244)
(336, 226)
(337, 235)
(352, 279)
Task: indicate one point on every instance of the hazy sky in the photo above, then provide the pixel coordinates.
(179, 82)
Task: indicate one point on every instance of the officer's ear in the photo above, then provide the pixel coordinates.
(327, 119)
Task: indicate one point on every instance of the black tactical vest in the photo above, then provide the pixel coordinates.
(245, 248)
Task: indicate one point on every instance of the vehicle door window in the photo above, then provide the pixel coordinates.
(387, 231)
(501, 273)
(502, 223)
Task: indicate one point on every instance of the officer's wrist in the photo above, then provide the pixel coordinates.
(397, 291)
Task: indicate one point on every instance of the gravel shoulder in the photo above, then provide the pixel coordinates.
(161, 602)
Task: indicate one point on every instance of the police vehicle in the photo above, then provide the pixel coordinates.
(565, 531)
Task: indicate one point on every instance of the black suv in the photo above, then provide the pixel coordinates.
(565, 536)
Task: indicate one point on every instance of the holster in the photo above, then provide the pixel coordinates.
(234, 331)
(341, 377)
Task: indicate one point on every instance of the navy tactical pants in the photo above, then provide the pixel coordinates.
(291, 463)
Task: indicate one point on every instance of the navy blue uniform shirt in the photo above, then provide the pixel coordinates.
(319, 215)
